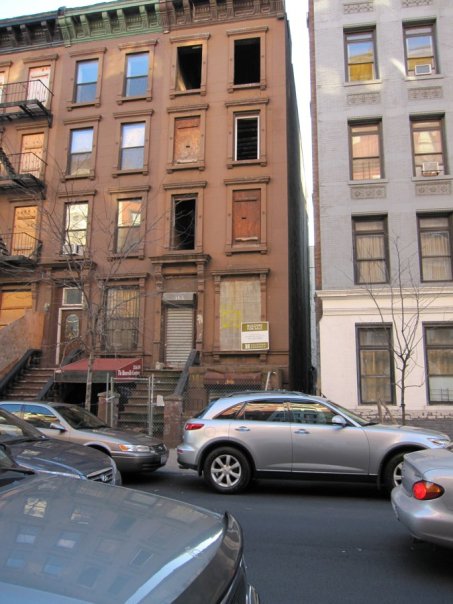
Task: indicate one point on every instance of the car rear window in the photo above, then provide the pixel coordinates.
(231, 412)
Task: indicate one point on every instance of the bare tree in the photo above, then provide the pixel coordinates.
(400, 304)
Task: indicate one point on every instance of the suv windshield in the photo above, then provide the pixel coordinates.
(79, 419)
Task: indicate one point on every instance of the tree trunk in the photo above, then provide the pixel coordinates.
(89, 384)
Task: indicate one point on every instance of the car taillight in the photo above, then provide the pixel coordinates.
(193, 426)
(424, 490)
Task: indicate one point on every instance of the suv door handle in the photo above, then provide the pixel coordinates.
(301, 431)
(242, 429)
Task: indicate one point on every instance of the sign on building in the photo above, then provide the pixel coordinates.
(255, 336)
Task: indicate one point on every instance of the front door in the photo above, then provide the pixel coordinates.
(69, 332)
(38, 84)
(24, 231)
(31, 154)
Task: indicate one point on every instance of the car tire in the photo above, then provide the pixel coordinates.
(227, 470)
(392, 472)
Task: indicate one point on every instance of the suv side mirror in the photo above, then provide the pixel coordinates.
(339, 420)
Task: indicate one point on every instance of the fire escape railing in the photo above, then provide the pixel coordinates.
(19, 245)
(29, 99)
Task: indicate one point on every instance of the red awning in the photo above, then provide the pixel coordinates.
(123, 368)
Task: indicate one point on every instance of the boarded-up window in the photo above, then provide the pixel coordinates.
(240, 301)
(187, 139)
(247, 216)
(13, 306)
(31, 154)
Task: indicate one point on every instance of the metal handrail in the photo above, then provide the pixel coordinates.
(18, 368)
(192, 359)
(42, 394)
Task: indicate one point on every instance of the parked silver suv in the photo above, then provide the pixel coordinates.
(293, 435)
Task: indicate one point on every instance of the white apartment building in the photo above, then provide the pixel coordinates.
(382, 88)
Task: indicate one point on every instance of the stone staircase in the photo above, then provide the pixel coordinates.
(133, 405)
(29, 384)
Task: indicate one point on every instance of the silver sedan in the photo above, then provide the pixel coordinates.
(132, 452)
(424, 500)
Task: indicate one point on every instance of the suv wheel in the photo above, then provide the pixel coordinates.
(392, 472)
(226, 470)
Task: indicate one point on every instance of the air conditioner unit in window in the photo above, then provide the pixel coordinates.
(430, 168)
(72, 249)
(424, 69)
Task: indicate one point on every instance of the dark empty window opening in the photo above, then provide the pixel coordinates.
(188, 76)
(247, 61)
(246, 138)
(183, 233)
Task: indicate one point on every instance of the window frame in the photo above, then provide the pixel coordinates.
(427, 348)
(360, 327)
(385, 259)
(449, 229)
(375, 68)
(128, 48)
(109, 319)
(79, 57)
(247, 108)
(186, 41)
(68, 231)
(262, 276)
(377, 122)
(73, 153)
(137, 192)
(245, 34)
(183, 191)
(407, 27)
(81, 124)
(232, 186)
(176, 113)
(440, 120)
(125, 119)
(136, 229)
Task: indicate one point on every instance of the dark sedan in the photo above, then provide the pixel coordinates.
(32, 449)
(68, 541)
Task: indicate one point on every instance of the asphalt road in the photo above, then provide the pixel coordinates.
(312, 543)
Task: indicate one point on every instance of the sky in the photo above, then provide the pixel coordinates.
(297, 15)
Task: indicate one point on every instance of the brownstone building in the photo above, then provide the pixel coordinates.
(151, 202)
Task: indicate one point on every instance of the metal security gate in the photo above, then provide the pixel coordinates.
(135, 405)
(179, 331)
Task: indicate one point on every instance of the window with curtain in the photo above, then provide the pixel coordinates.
(370, 250)
(435, 248)
(428, 146)
(439, 365)
(360, 48)
(365, 141)
(376, 367)
(122, 319)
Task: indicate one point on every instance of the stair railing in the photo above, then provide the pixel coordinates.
(192, 359)
(72, 356)
(14, 373)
